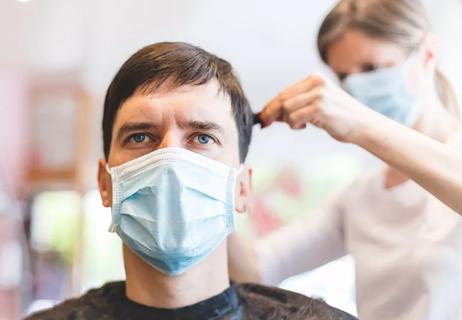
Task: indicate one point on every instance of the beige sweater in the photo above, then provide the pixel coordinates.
(407, 247)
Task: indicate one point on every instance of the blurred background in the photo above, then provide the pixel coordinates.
(56, 61)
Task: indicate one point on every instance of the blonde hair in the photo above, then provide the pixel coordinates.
(403, 22)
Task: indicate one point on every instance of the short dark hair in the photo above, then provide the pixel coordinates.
(180, 64)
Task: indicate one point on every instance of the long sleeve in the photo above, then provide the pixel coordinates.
(305, 244)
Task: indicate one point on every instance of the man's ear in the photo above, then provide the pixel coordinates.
(244, 189)
(104, 184)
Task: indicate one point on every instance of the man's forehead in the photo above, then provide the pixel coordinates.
(199, 103)
(209, 90)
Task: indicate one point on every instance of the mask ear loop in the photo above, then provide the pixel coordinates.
(112, 226)
(108, 169)
(231, 220)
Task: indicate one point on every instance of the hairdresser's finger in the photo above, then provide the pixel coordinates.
(271, 112)
(293, 97)
(307, 84)
(303, 99)
(304, 116)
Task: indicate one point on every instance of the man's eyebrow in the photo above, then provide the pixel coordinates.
(134, 126)
(202, 125)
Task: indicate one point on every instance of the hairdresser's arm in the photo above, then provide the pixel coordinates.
(315, 100)
(433, 165)
(303, 245)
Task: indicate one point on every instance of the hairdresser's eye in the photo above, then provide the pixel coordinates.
(369, 67)
(342, 76)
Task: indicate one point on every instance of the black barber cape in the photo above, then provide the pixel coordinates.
(238, 302)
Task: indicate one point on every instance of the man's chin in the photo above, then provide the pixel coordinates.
(214, 262)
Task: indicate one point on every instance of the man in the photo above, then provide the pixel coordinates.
(176, 131)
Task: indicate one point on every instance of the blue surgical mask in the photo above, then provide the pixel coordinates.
(173, 207)
(385, 91)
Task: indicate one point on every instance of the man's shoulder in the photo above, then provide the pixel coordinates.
(275, 303)
(92, 305)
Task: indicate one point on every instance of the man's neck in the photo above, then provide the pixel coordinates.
(148, 286)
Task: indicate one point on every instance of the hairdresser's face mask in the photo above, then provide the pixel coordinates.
(173, 207)
(387, 92)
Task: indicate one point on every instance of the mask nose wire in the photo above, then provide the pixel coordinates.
(238, 171)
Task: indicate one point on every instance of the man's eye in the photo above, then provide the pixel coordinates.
(138, 138)
(204, 139)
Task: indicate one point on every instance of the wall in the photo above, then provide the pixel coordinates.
(13, 130)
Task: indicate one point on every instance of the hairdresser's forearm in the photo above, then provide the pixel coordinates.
(243, 262)
(431, 164)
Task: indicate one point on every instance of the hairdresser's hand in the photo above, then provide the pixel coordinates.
(318, 101)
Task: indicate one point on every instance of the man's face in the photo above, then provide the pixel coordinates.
(197, 118)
